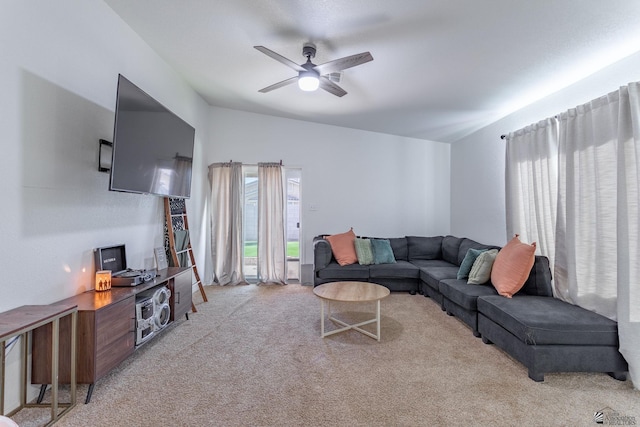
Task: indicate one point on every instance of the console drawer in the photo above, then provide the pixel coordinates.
(114, 321)
(110, 356)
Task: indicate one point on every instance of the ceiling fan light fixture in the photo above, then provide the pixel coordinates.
(308, 81)
(309, 74)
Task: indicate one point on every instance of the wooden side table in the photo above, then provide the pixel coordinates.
(20, 322)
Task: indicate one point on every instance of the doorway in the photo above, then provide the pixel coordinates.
(292, 178)
(292, 227)
(250, 226)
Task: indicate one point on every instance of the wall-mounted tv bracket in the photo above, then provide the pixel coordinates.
(104, 155)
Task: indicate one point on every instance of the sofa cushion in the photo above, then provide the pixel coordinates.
(433, 276)
(548, 321)
(400, 248)
(481, 271)
(339, 272)
(343, 247)
(466, 244)
(430, 263)
(450, 248)
(467, 262)
(382, 252)
(463, 294)
(364, 251)
(400, 269)
(512, 266)
(424, 247)
(539, 281)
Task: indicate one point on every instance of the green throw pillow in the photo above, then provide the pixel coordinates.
(382, 252)
(481, 271)
(467, 262)
(364, 251)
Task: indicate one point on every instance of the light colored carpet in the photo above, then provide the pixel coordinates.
(253, 356)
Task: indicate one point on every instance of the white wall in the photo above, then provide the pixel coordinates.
(58, 74)
(381, 185)
(478, 160)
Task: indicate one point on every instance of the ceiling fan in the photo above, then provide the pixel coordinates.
(311, 76)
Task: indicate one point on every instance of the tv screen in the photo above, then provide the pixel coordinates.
(152, 147)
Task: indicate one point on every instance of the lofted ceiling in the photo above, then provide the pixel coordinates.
(441, 70)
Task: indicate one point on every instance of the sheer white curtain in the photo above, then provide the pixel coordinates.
(596, 263)
(272, 267)
(628, 303)
(226, 222)
(531, 179)
(586, 255)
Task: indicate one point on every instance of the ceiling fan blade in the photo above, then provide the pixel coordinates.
(331, 87)
(289, 63)
(343, 63)
(279, 84)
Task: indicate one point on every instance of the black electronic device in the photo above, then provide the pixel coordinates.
(152, 147)
(132, 277)
(114, 258)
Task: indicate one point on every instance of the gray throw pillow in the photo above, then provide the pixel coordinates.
(467, 262)
(481, 271)
(382, 252)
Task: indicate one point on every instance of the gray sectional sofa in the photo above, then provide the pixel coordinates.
(543, 333)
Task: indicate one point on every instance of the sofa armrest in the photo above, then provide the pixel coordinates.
(321, 253)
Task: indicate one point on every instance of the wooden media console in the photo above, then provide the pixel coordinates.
(106, 329)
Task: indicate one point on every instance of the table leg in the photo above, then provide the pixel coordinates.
(3, 348)
(321, 318)
(378, 318)
(87, 400)
(74, 380)
(23, 369)
(43, 389)
(55, 333)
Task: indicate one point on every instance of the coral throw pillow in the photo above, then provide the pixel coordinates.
(343, 247)
(512, 267)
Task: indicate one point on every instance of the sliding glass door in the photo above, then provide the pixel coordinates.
(250, 175)
(292, 225)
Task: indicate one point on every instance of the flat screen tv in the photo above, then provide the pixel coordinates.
(152, 147)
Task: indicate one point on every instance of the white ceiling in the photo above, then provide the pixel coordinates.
(441, 70)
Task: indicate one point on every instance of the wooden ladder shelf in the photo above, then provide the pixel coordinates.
(175, 211)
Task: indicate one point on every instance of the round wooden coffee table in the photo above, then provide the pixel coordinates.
(350, 292)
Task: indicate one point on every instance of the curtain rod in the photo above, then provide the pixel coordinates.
(504, 136)
(253, 164)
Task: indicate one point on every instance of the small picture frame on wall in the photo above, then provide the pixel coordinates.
(161, 258)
